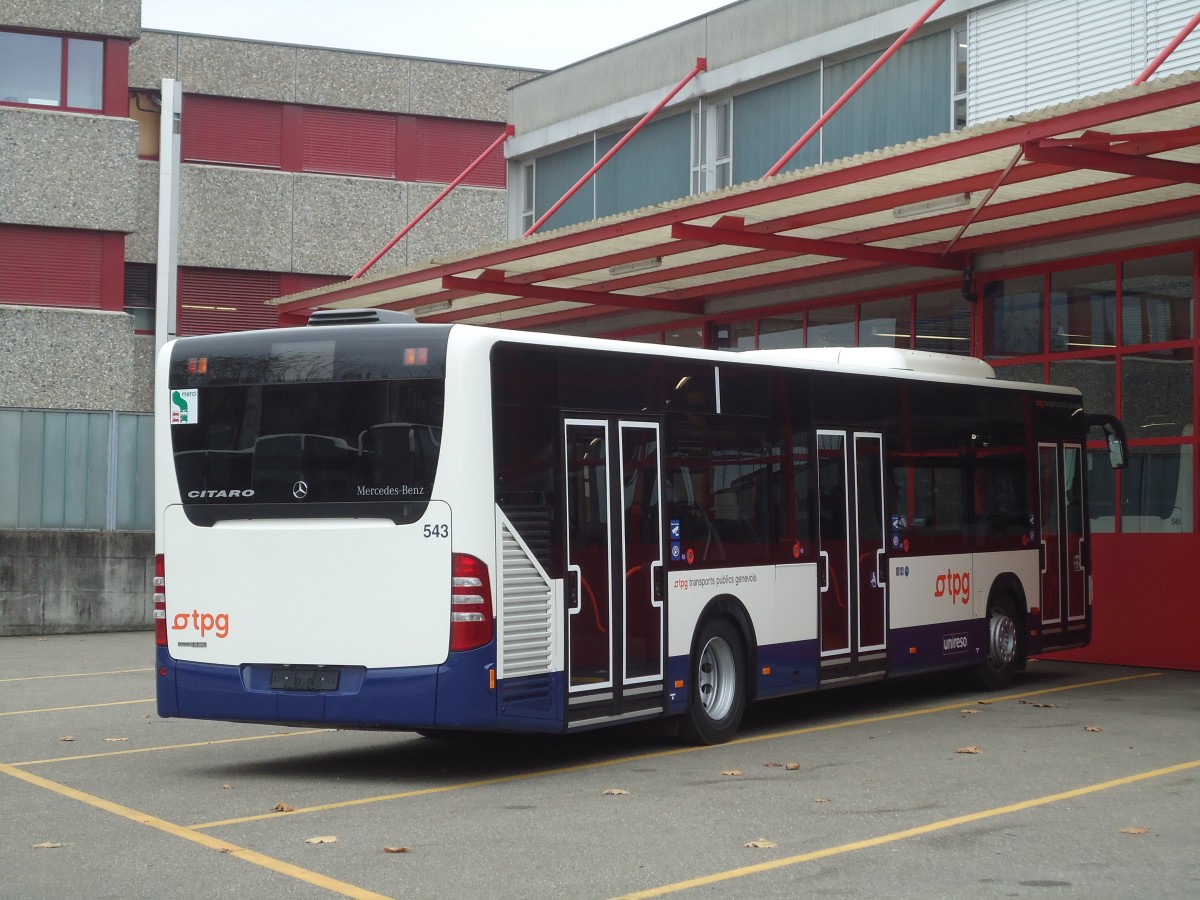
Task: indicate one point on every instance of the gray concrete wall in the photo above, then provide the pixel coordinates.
(73, 359)
(69, 582)
(114, 18)
(224, 67)
(232, 218)
(67, 170)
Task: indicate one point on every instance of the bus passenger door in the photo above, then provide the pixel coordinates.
(614, 569)
(1060, 511)
(852, 555)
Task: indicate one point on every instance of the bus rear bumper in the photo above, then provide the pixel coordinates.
(400, 698)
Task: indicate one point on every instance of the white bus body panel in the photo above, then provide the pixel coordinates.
(781, 601)
(308, 591)
(929, 590)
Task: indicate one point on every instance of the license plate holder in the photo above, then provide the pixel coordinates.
(304, 678)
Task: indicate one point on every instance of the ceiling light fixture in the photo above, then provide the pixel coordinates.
(638, 265)
(937, 204)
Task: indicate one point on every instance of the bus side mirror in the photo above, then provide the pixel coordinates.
(1114, 435)
(1118, 455)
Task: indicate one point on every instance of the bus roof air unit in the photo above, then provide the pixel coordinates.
(367, 316)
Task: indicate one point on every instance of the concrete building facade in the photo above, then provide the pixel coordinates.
(299, 163)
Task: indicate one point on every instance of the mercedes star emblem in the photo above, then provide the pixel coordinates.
(300, 490)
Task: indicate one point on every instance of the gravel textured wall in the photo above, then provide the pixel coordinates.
(119, 18)
(341, 78)
(67, 170)
(73, 359)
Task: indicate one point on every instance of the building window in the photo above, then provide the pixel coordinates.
(712, 146)
(959, 94)
(781, 332)
(49, 70)
(528, 195)
(885, 323)
(140, 292)
(1122, 333)
(1083, 309)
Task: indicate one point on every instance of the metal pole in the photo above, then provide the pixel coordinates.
(1169, 49)
(701, 66)
(167, 280)
(508, 132)
(852, 90)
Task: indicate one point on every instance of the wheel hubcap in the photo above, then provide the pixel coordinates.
(1002, 646)
(716, 678)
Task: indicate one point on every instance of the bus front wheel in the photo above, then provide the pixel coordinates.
(717, 696)
(1003, 646)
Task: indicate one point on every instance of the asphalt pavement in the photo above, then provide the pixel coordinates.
(1080, 780)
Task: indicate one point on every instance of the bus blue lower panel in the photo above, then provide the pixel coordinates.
(408, 698)
(942, 646)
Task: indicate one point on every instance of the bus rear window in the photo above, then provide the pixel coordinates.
(311, 443)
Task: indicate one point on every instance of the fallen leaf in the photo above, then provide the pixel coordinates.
(969, 712)
(1044, 705)
(115, 740)
(615, 792)
(984, 702)
(66, 737)
(225, 850)
(227, 787)
(324, 839)
(1094, 729)
(762, 844)
(772, 765)
(974, 751)
(283, 807)
(792, 767)
(1135, 829)
(821, 800)
(732, 772)
(395, 849)
(47, 845)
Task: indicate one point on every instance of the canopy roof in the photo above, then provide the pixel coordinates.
(1110, 162)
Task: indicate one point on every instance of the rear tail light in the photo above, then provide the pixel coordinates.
(471, 618)
(160, 601)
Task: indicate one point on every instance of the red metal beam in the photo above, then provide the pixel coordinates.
(1053, 152)
(701, 66)
(852, 90)
(1169, 49)
(735, 202)
(566, 295)
(798, 246)
(508, 132)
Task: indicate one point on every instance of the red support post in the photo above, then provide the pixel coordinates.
(852, 90)
(701, 66)
(504, 136)
(1169, 49)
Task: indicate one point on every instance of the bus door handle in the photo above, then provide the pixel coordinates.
(880, 568)
(823, 570)
(574, 590)
(1042, 554)
(656, 584)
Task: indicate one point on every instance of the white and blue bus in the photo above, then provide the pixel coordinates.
(383, 524)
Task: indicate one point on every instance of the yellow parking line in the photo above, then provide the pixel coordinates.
(212, 743)
(27, 712)
(74, 675)
(717, 877)
(660, 754)
(267, 862)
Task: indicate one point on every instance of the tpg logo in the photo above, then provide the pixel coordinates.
(956, 584)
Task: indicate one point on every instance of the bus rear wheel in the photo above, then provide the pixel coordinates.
(1004, 645)
(717, 696)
